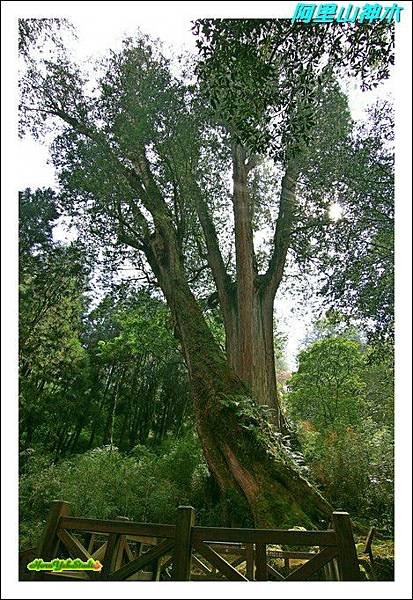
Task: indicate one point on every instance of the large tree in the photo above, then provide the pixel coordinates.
(145, 164)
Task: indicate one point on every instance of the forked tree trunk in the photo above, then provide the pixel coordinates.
(248, 464)
(243, 454)
(247, 304)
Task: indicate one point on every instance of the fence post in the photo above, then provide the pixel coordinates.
(347, 555)
(331, 572)
(261, 562)
(49, 541)
(112, 559)
(121, 546)
(185, 520)
(249, 552)
(367, 546)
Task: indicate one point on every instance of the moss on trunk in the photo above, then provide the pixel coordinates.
(242, 449)
(249, 460)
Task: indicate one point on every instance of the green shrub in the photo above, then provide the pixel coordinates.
(144, 485)
(354, 467)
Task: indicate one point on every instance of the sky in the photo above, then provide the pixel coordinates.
(105, 29)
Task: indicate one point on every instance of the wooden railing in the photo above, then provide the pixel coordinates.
(184, 551)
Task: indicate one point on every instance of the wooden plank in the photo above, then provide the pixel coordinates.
(167, 564)
(136, 565)
(231, 548)
(74, 547)
(328, 572)
(331, 568)
(156, 570)
(265, 536)
(335, 569)
(138, 548)
(347, 555)
(143, 540)
(331, 571)
(274, 573)
(220, 563)
(49, 542)
(261, 572)
(111, 551)
(89, 541)
(128, 528)
(181, 570)
(128, 551)
(313, 565)
(238, 561)
(164, 575)
(100, 552)
(286, 554)
(119, 560)
(120, 552)
(369, 539)
(201, 565)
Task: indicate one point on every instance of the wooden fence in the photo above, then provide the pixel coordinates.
(182, 552)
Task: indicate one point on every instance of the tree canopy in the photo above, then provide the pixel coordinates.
(262, 75)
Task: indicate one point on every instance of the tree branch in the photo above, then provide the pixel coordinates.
(214, 257)
(283, 229)
(139, 178)
(197, 273)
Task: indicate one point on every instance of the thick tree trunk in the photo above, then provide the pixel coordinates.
(246, 307)
(261, 370)
(250, 467)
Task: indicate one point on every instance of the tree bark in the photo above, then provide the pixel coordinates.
(245, 267)
(250, 468)
(247, 304)
(264, 382)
